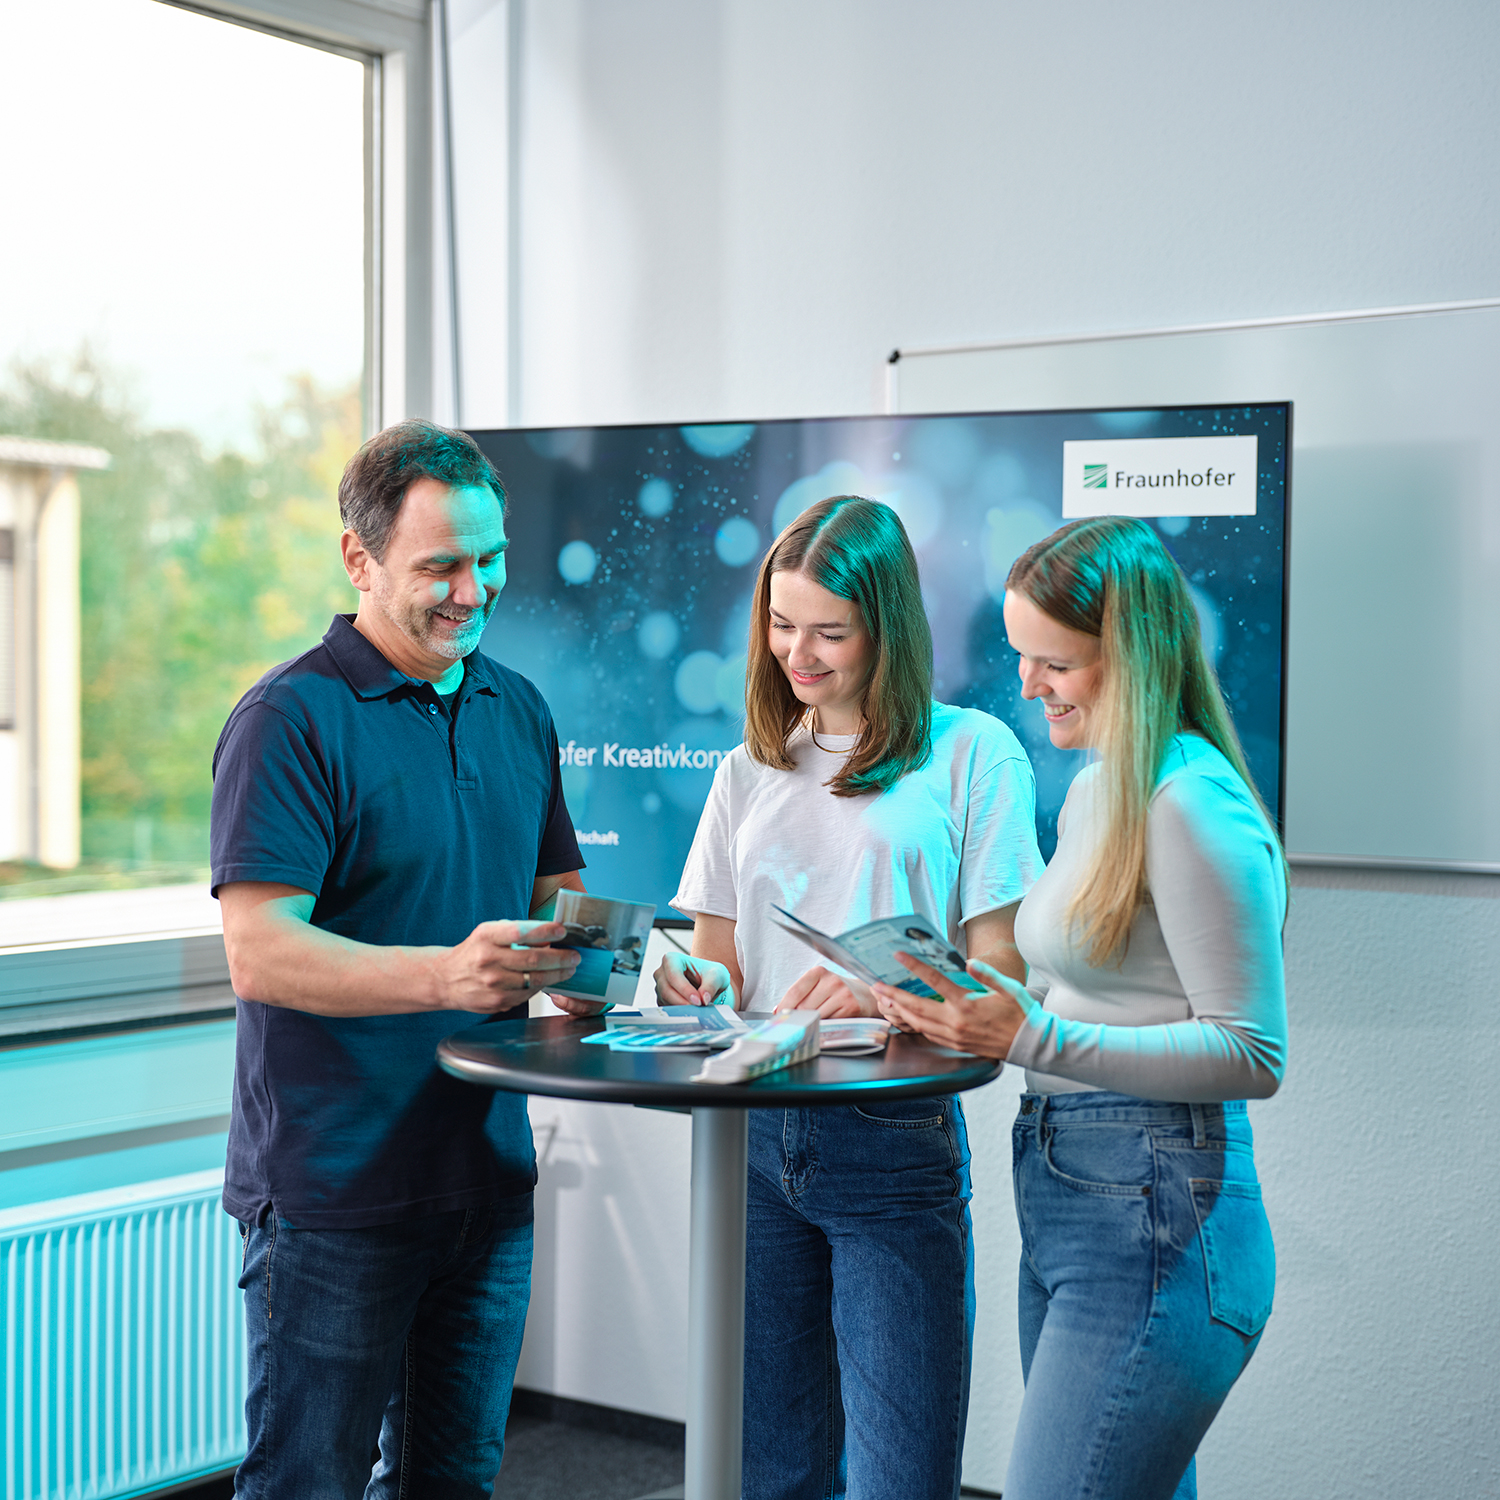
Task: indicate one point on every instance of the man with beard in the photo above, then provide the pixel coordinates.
(387, 809)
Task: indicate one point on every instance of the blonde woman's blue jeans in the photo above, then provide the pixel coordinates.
(1147, 1272)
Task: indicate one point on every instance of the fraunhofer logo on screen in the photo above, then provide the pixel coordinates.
(1191, 476)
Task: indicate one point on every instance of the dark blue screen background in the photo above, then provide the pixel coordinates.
(633, 559)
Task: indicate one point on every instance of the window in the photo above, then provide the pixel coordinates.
(186, 306)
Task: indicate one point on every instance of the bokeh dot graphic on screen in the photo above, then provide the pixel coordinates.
(718, 439)
(1000, 478)
(706, 741)
(1126, 423)
(839, 477)
(1173, 525)
(729, 686)
(651, 803)
(737, 542)
(576, 562)
(1209, 624)
(913, 499)
(575, 785)
(573, 445)
(946, 450)
(657, 635)
(1007, 533)
(736, 626)
(655, 498)
(697, 682)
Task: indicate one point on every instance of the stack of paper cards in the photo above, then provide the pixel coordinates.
(675, 1028)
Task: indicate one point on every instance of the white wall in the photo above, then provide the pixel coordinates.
(736, 209)
(1377, 1375)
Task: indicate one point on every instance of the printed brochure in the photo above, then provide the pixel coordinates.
(610, 937)
(869, 952)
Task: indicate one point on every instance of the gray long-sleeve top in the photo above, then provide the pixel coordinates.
(1196, 1012)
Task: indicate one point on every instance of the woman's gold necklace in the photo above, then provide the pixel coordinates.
(812, 730)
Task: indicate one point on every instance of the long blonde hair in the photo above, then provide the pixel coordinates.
(858, 550)
(1111, 577)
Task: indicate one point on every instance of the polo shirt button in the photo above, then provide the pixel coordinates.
(432, 708)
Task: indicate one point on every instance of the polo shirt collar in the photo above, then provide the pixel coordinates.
(367, 671)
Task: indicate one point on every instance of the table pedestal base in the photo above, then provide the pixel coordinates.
(716, 1305)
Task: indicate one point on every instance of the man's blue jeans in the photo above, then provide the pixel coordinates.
(403, 1333)
(859, 1303)
(1147, 1272)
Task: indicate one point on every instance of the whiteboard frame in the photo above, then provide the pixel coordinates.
(986, 346)
(892, 408)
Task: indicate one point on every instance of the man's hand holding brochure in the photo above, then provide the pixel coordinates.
(610, 939)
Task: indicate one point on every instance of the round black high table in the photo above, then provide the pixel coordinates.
(545, 1055)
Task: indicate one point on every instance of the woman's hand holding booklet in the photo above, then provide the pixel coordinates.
(869, 952)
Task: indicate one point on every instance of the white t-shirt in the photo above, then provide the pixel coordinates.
(1196, 1012)
(950, 842)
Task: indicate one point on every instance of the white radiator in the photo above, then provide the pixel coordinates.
(122, 1345)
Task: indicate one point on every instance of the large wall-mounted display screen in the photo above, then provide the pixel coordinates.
(634, 551)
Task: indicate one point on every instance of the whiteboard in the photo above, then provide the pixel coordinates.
(1393, 679)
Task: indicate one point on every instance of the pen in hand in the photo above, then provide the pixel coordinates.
(693, 977)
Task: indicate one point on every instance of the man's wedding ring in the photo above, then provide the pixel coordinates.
(526, 975)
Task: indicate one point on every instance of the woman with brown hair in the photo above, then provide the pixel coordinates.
(1155, 1008)
(853, 797)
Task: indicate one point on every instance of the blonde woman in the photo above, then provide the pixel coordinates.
(1155, 1008)
(854, 797)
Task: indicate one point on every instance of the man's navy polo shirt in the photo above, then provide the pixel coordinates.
(341, 776)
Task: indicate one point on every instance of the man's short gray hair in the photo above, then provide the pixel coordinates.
(377, 478)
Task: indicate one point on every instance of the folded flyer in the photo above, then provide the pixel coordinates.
(854, 1036)
(869, 952)
(610, 937)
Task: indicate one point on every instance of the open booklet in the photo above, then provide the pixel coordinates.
(610, 937)
(869, 952)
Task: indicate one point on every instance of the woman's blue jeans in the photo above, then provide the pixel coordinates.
(1147, 1272)
(406, 1334)
(859, 1302)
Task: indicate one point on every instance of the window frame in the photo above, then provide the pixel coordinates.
(395, 41)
